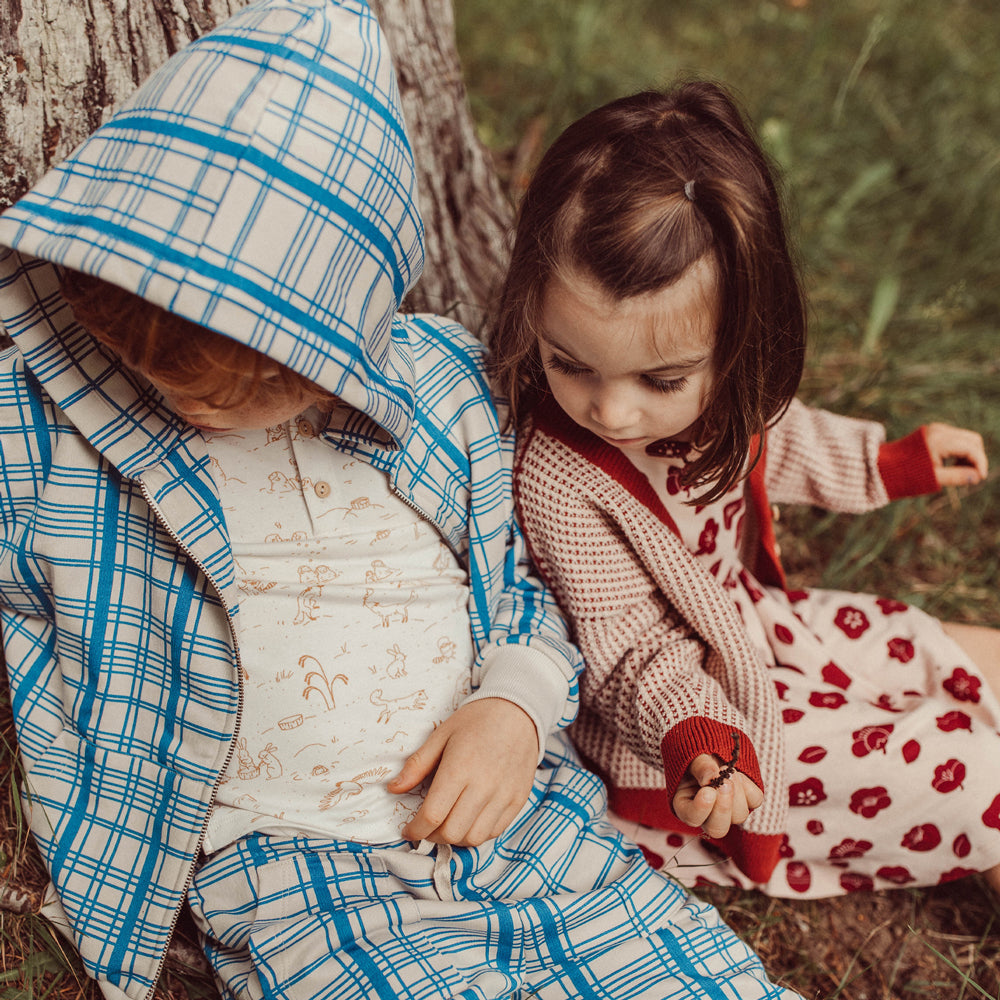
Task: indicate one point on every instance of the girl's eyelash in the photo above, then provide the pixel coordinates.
(564, 367)
(667, 385)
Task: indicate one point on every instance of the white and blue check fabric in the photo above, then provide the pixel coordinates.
(559, 907)
(260, 184)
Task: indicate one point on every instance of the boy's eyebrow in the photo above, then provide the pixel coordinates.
(680, 367)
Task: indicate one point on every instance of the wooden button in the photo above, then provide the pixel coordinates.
(322, 490)
(304, 427)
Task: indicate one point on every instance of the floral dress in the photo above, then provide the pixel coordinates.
(892, 735)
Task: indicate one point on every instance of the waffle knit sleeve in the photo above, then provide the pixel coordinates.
(649, 680)
(843, 463)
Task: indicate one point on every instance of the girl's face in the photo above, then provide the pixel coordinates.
(637, 370)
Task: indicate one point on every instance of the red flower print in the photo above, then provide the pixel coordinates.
(963, 686)
(951, 721)
(868, 802)
(948, 776)
(782, 689)
(853, 882)
(730, 511)
(797, 874)
(885, 703)
(870, 738)
(783, 634)
(890, 606)
(674, 480)
(955, 874)
(992, 815)
(827, 699)
(675, 840)
(751, 588)
(911, 751)
(852, 622)
(896, 874)
(836, 677)
(668, 449)
(653, 859)
(806, 793)
(812, 755)
(849, 848)
(815, 827)
(788, 666)
(900, 649)
(922, 838)
(785, 848)
(794, 596)
(706, 540)
(790, 715)
(961, 847)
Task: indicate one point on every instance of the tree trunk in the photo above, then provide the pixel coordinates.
(65, 65)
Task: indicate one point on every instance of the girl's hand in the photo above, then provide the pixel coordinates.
(483, 759)
(715, 810)
(958, 455)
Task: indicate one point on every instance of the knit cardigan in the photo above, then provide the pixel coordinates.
(670, 670)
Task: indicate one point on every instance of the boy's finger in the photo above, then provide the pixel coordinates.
(416, 768)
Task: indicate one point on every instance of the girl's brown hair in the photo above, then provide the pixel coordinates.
(183, 356)
(629, 197)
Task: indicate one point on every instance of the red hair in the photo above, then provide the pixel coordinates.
(174, 352)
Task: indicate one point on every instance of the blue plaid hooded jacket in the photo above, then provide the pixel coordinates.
(261, 184)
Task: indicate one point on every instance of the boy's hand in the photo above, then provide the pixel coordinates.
(485, 757)
(715, 810)
(958, 455)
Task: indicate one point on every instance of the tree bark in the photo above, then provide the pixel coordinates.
(64, 66)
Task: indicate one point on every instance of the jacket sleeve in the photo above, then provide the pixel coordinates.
(651, 682)
(29, 428)
(530, 659)
(842, 463)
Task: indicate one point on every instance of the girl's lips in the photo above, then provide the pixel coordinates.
(623, 442)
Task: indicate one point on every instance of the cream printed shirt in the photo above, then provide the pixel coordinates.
(354, 632)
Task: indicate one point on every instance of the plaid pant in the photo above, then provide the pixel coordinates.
(560, 906)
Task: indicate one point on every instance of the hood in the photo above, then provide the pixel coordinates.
(260, 184)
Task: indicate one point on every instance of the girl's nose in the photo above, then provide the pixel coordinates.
(612, 409)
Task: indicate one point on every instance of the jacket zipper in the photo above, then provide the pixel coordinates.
(153, 506)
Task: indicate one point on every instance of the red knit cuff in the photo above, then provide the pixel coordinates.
(698, 735)
(906, 466)
(755, 854)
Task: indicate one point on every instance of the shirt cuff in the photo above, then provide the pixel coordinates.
(697, 735)
(530, 679)
(906, 466)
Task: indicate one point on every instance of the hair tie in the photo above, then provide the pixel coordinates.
(689, 190)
